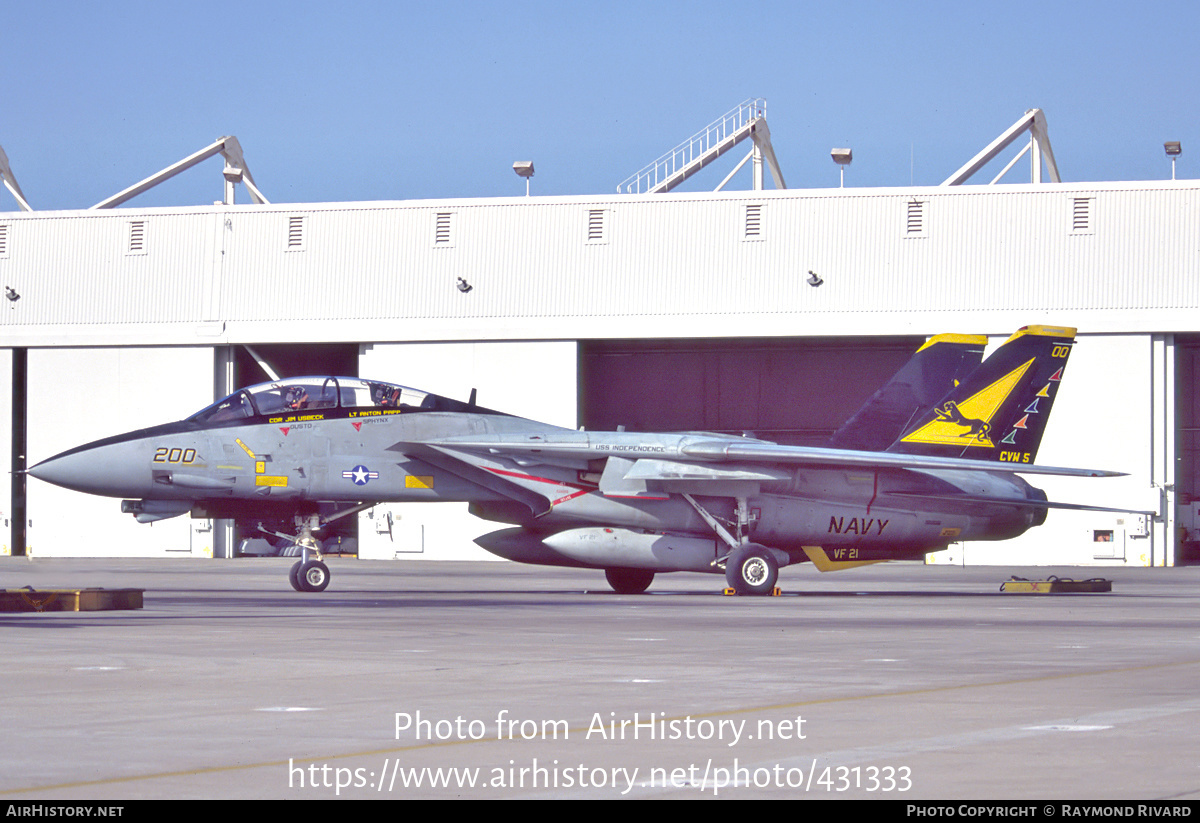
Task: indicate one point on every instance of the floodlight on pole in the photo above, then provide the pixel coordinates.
(842, 157)
(524, 168)
(1173, 150)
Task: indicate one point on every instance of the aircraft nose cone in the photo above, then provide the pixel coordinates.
(82, 470)
(66, 470)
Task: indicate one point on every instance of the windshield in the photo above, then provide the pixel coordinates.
(304, 394)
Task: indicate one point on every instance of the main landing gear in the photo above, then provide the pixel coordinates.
(629, 581)
(750, 569)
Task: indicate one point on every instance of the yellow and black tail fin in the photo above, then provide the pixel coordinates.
(925, 380)
(998, 413)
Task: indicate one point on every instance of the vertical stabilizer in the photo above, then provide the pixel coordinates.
(999, 412)
(925, 380)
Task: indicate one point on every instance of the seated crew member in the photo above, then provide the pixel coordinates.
(387, 396)
(297, 397)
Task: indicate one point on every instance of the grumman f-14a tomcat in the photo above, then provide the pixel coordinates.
(934, 457)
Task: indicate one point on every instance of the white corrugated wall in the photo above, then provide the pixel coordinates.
(678, 264)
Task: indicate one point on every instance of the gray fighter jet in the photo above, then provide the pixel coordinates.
(934, 457)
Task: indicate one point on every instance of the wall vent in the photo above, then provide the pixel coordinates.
(441, 229)
(295, 233)
(914, 219)
(596, 226)
(137, 237)
(4, 239)
(753, 227)
(1081, 215)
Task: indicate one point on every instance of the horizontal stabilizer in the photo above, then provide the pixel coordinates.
(1023, 502)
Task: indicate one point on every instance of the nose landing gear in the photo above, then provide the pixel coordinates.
(309, 574)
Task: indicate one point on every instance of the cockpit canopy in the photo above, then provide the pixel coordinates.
(313, 394)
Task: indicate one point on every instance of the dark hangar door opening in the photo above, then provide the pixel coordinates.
(1187, 448)
(793, 390)
(295, 360)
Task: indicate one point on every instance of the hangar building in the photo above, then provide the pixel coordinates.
(771, 311)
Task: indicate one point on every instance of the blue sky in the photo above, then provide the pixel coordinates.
(398, 100)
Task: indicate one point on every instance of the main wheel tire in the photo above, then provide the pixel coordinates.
(751, 570)
(313, 576)
(294, 576)
(629, 581)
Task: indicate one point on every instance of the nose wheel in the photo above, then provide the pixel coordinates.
(309, 576)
